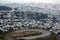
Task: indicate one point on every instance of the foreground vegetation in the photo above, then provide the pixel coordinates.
(2, 38)
(51, 37)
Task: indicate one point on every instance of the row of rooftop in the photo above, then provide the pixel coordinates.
(16, 19)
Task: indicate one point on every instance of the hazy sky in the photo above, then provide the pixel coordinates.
(29, 1)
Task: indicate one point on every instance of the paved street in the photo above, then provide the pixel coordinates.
(44, 33)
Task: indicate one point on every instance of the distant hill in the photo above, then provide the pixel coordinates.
(5, 8)
(53, 9)
(37, 7)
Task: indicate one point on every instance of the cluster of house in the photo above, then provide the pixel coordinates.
(14, 19)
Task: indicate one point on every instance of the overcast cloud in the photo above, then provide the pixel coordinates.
(29, 1)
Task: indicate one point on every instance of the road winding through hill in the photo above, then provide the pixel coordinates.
(44, 34)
